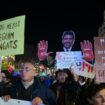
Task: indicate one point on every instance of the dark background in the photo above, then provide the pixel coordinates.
(47, 20)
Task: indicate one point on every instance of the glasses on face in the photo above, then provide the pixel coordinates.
(26, 69)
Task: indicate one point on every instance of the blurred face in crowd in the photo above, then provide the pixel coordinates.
(27, 71)
(61, 77)
(4, 79)
(99, 98)
(67, 41)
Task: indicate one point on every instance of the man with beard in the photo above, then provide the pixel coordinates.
(68, 39)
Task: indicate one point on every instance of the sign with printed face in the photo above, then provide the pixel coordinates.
(99, 46)
(12, 36)
(14, 102)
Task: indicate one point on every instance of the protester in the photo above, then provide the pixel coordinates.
(6, 78)
(30, 88)
(94, 95)
(65, 88)
(5, 82)
(68, 38)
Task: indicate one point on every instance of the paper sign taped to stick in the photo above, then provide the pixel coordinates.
(12, 36)
(14, 102)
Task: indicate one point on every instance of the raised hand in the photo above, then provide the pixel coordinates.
(6, 97)
(37, 101)
(75, 76)
(42, 50)
(87, 50)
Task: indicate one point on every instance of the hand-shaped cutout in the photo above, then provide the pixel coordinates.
(42, 50)
(87, 50)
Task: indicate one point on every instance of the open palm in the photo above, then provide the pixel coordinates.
(87, 50)
(42, 50)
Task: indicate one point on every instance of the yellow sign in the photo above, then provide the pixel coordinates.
(12, 36)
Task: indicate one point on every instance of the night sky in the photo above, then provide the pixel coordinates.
(47, 20)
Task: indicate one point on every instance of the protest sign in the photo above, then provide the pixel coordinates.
(99, 47)
(14, 102)
(68, 59)
(87, 70)
(73, 60)
(12, 36)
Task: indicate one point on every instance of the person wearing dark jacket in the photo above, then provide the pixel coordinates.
(30, 88)
(5, 82)
(65, 88)
(2, 89)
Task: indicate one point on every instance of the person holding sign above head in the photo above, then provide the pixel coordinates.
(30, 88)
(68, 39)
(65, 88)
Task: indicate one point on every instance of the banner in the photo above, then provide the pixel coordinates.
(12, 36)
(99, 47)
(14, 102)
(68, 59)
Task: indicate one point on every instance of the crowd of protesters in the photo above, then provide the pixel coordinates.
(63, 88)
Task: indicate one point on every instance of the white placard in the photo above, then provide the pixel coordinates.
(68, 59)
(73, 60)
(14, 102)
